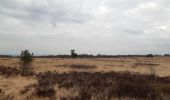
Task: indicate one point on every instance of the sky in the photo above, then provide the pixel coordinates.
(88, 26)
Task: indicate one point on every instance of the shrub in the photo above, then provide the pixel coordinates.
(28, 88)
(4, 96)
(149, 55)
(8, 71)
(132, 89)
(45, 85)
(26, 59)
(105, 86)
(82, 66)
(73, 54)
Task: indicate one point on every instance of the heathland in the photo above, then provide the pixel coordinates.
(119, 78)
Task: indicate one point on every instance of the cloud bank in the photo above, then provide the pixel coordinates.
(89, 26)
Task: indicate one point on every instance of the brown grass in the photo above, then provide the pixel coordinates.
(160, 64)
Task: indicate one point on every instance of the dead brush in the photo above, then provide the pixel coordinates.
(82, 66)
(133, 89)
(4, 96)
(105, 86)
(9, 71)
(77, 66)
(145, 64)
(28, 88)
(45, 86)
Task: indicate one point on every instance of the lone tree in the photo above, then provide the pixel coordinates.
(73, 54)
(26, 59)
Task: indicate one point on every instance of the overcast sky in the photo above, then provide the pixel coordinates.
(88, 26)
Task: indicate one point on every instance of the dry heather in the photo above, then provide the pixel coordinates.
(138, 78)
(102, 86)
(78, 66)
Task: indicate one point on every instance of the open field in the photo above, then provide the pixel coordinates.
(144, 65)
(142, 78)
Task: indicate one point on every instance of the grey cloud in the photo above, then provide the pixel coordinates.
(90, 26)
(39, 12)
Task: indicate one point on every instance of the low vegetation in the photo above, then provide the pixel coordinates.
(82, 66)
(9, 71)
(67, 83)
(45, 86)
(78, 66)
(105, 86)
(4, 96)
(145, 64)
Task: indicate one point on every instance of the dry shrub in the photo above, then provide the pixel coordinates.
(105, 86)
(28, 73)
(9, 71)
(70, 98)
(146, 64)
(45, 85)
(78, 66)
(165, 79)
(4, 96)
(82, 66)
(166, 89)
(28, 88)
(133, 89)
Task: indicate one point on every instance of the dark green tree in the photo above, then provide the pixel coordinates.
(26, 58)
(73, 54)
